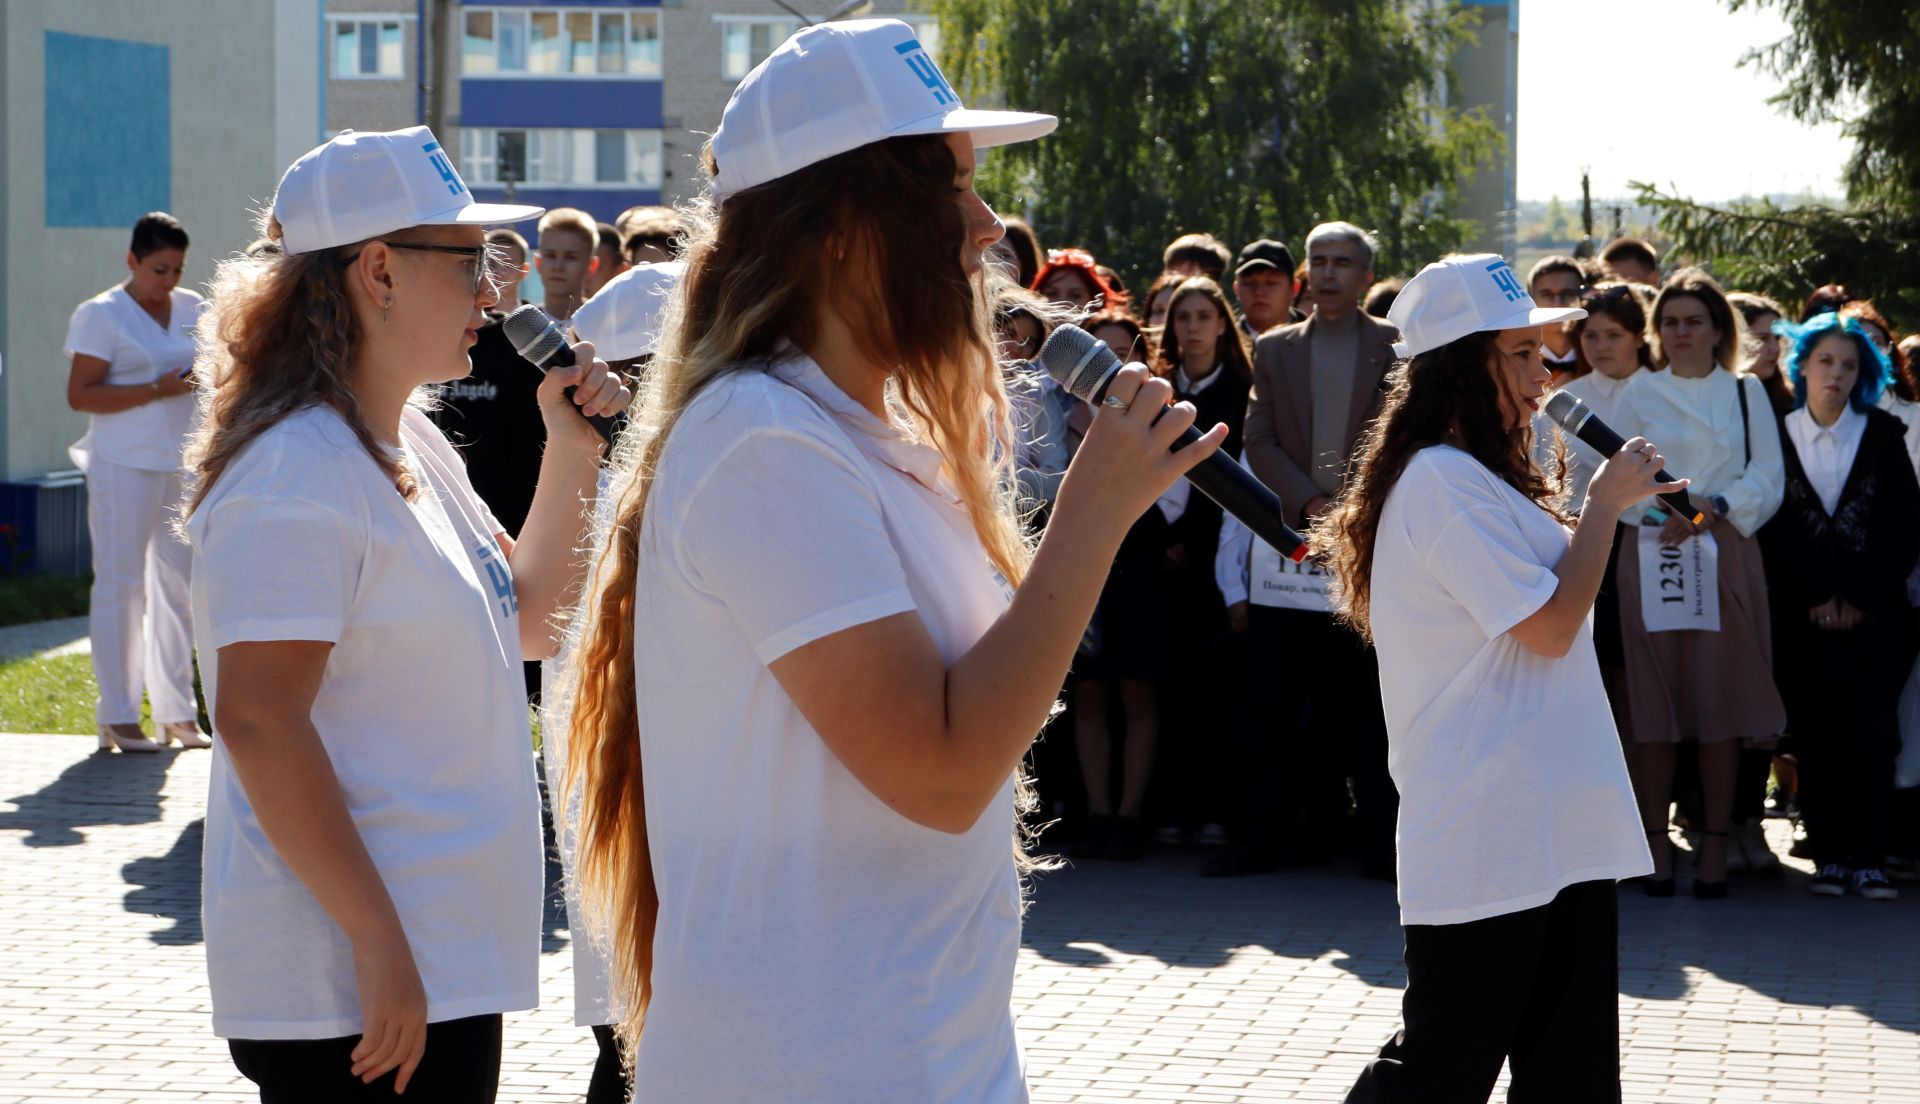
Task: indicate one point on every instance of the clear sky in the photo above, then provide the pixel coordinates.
(1596, 80)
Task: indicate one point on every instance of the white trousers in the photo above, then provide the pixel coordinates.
(141, 617)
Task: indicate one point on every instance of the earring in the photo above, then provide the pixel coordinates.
(386, 305)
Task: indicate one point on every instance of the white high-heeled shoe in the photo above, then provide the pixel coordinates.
(111, 740)
(185, 733)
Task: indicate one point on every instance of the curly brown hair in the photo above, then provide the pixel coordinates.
(1449, 395)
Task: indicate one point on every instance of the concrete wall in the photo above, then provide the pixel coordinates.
(222, 96)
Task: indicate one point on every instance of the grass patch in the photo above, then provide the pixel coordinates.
(42, 597)
(56, 694)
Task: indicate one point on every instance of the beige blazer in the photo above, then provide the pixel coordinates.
(1279, 431)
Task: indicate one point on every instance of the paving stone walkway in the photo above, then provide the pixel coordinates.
(1137, 982)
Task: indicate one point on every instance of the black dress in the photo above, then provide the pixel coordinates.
(1842, 687)
(493, 418)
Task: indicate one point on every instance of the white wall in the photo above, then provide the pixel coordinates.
(245, 100)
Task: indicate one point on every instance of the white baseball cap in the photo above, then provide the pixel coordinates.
(623, 318)
(361, 185)
(1454, 297)
(835, 87)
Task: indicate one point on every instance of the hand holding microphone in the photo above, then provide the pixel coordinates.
(1130, 454)
(1090, 371)
(574, 376)
(1577, 418)
(1632, 473)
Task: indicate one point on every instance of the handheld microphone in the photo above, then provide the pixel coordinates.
(1577, 418)
(1084, 366)
(537, 338)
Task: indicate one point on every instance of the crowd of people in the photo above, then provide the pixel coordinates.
(806, 659)
(1217, 697)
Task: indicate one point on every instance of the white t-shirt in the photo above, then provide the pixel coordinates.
(114, 328)
(422, 710)
(1512, 782)
(813, 944)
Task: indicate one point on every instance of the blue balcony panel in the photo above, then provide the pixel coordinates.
(599, 104)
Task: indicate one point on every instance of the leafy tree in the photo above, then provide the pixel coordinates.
(1856, 62)
(1852, 61)
(1788, 252)
(1242, 118)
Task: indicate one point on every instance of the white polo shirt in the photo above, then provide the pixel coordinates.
(1512, 782)
(138, 350)
(422, 710)
(813, 944)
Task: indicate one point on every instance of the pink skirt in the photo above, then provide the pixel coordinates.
(1705, 686)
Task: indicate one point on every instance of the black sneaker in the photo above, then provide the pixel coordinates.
(1872, 884)
(1802, 848)
(1829, 881)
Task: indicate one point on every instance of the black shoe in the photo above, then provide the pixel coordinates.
(1097, 841)
(1659, 887)
(1829, 881)
(1704, 890)
(1238, 862)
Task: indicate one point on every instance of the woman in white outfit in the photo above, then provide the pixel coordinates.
(131, 349)
(372, 877)
(818, 647)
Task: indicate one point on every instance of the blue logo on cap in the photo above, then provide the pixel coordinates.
(929, 74)
(440, 165)
(1504, 279)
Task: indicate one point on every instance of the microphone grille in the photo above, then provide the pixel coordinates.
(533, 334)
(1566, 410)
(1072, 356)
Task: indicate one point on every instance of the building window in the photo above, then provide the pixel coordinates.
(543, 157)
(560, 42)
(747, 42)
(367, 49)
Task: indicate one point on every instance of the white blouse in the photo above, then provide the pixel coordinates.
(1602, 394)
(1696, 424)
(138, 350)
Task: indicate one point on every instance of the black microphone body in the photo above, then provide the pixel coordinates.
(535, 335)
(1084, 366)
(1580, 420)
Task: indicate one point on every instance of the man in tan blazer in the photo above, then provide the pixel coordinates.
(1310, 717)
(1318, 383)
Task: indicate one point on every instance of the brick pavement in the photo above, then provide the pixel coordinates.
(1136, 983)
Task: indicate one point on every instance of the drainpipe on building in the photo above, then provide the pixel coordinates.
(420, 60)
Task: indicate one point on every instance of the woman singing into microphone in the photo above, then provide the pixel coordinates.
(817, 647)
(1516, 816)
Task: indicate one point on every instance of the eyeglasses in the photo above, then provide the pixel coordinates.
(484, 261)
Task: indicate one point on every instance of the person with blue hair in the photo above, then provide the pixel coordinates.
(1848, 535)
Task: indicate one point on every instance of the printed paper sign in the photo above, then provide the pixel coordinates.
(1680, 585)
(1275, 581)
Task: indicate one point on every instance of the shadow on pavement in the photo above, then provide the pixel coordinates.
(98, 789)
(1769, 937)
(1159, 908)
(169, 886)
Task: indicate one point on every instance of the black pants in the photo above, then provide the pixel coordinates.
(610, 1084)
(1846, 745)
(461, 1065)
(1310, 718)
(1537, 989)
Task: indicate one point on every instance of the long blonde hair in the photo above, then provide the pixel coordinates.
(876, 233)
(279, 334)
